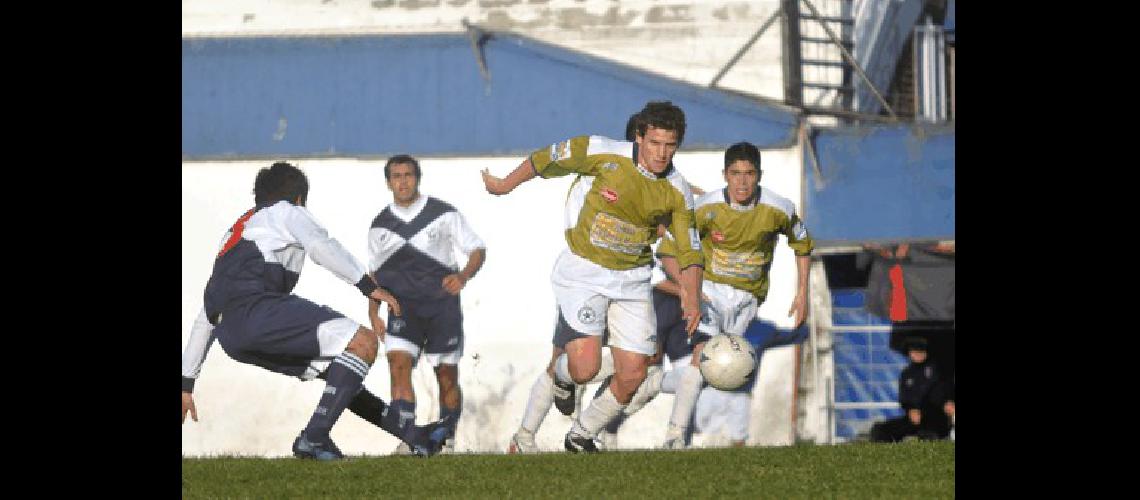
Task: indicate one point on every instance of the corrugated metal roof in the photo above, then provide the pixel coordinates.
(424, 94)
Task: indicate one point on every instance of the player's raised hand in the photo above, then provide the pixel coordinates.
(188, 406)
(494, 185)
(382, 295)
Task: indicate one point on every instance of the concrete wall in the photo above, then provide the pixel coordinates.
(508, 307)
(689, 40)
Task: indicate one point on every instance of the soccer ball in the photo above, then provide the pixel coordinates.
(727, 361)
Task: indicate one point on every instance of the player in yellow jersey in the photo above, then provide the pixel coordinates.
(738, 227)
(602, 279)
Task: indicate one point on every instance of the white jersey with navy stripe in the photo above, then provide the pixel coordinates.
(264, 251)
(411, 249)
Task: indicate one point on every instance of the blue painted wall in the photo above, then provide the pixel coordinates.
(884, 183)
(424, 95)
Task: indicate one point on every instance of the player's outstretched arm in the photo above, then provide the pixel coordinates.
(498, 187)
(188, 406)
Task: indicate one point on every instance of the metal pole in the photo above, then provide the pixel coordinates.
(740, 53)
(850, 60)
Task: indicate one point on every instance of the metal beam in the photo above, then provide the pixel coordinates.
(793, 73)
(740, 53)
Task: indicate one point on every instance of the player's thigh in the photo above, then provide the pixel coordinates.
(286, 334)
(406, 333)
(582, 310)
(444, 333)
(633, 326)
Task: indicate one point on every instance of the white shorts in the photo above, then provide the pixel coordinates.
(730, 309)
(395, 343)
(592, 298)
(333, 337)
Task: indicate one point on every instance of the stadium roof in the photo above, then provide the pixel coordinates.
(437, 94)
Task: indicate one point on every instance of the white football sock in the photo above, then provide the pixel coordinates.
(647, 390)
(673, 377)
(601, 410)
(538, 404)
(685, 400)
(562, 369)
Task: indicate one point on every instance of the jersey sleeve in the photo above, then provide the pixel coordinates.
(687, 242)
(563, 158)
(201, 338)
(798, 238)
(463, 236)
(326, 251)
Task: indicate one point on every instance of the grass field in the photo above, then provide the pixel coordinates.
(857, 470)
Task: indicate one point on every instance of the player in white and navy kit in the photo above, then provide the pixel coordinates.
(411, 247)
(250, 310)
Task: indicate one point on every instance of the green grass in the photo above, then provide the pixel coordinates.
(858, 470)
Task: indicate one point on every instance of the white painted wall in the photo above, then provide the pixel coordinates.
(684, 39)
(508, 308)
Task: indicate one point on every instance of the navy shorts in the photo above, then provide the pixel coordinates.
(671, 327)
(285, 334)
(435, 326)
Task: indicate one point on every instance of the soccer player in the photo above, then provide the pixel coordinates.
(547, 390)
(250, 310)
(601, 281)
(738, 228)
(411, 248)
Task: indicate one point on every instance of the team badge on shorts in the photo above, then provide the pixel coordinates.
(397, 325)
(587, 315)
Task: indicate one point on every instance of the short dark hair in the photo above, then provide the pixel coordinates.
(280, 181)
(662, 115)
(631, 127)
(742, 151)
(401, 159)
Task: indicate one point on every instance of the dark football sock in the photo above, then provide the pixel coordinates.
(345, 377)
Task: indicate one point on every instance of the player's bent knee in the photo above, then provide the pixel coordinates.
(364, 345)
(585, 371)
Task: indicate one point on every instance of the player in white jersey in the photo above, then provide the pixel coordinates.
(411, 247)
(250, 310)
(602, 281)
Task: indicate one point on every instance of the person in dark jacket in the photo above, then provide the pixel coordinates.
(922, 397)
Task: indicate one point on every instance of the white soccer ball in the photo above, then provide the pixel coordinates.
(727, 361)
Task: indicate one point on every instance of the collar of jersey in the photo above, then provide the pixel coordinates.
(744, 207)
(407, 214)
(650, 175)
